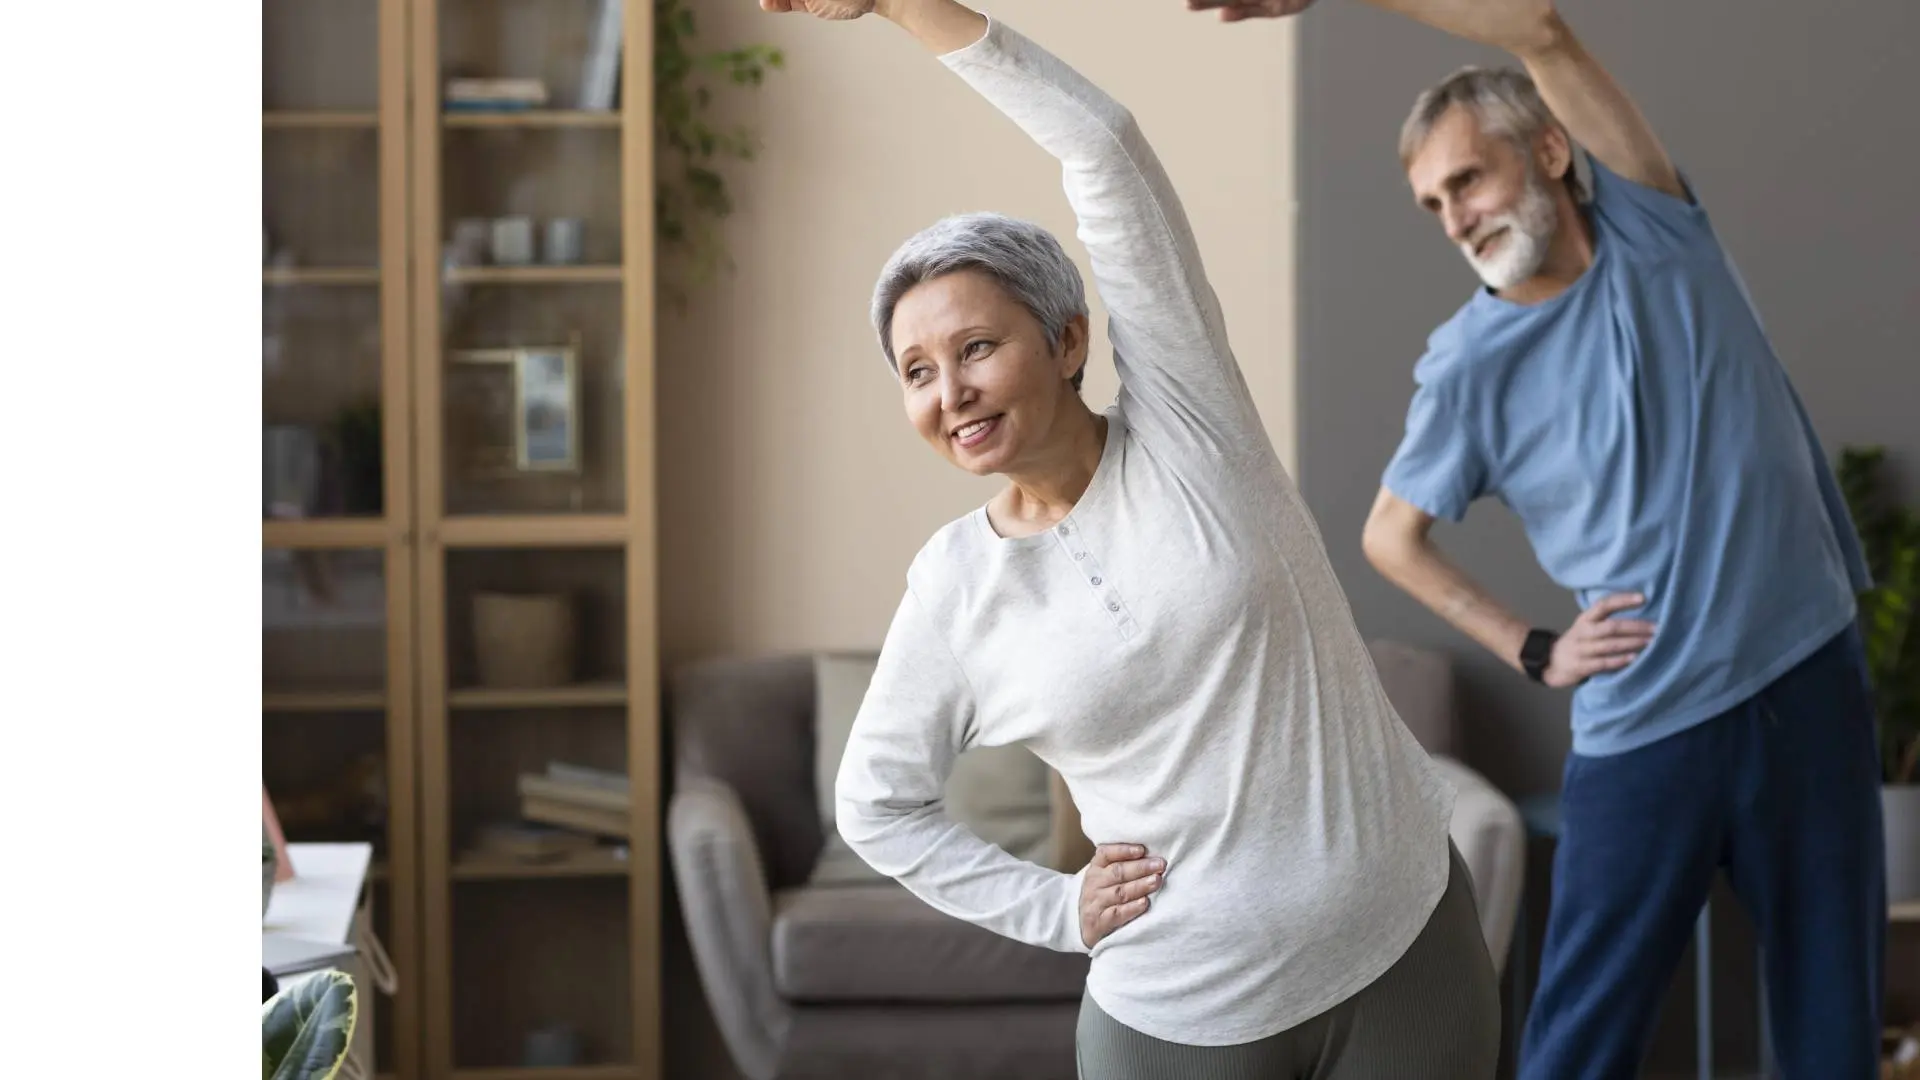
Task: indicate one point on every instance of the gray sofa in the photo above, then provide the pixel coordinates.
(865, 980)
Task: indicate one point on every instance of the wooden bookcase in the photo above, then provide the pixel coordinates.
(371, 678)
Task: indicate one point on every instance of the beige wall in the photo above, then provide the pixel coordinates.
(793, 493)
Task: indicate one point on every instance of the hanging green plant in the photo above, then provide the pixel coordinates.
(691, 197)
(1890, 610)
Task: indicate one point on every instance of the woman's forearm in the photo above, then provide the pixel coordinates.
(942, 26)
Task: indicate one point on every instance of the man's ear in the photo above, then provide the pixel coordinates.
(1553, 153)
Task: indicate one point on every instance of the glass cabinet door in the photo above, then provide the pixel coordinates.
(337, 736)
(523, 279)
(322, 347)
(525, 189)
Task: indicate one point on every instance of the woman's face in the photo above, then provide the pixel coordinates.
(979, 382)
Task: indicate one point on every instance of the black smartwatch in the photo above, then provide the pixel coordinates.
(1537, 653)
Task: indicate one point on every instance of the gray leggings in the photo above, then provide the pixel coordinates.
(1435, 1015)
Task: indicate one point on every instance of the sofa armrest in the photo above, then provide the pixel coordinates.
(747, 721)
(729, 915)
(1487, 829)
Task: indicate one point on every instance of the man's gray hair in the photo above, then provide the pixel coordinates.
(1022, 257)
(1503, 101)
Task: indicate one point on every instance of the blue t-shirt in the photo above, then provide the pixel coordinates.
(1644, 433)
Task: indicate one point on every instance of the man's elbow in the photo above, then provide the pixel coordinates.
(1389, 545)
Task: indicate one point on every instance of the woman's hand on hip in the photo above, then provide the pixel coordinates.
(1115, 889)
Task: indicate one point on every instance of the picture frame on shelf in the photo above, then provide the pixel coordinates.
(546, 407)
(520, 409)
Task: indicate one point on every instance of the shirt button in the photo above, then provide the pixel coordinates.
(1113, 605)
(1065, 529)
(1096, 581)
(1078, 555)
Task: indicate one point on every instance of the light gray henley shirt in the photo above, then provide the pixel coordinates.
(1177, 648)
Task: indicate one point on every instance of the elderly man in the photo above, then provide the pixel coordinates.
(1612, 384)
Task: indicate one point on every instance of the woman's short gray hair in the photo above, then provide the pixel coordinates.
(1025, 259)
(1503, 101)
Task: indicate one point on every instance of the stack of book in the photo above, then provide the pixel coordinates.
(526, 842)
(590, 801)
(494, 95)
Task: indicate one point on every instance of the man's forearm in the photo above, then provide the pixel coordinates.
(1424, 572)
(1514, 25)
(1598, 114)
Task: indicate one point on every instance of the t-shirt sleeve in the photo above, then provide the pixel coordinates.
(1438, 466)
(1646, 218)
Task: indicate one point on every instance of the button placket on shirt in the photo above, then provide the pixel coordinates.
(1075, 544)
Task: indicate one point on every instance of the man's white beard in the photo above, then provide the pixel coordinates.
(1530, 226)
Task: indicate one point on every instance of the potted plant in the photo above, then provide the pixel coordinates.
(307, 1030)
(353, 439)
(1890, 624)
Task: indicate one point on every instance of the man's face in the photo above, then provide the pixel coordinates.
(1493, 200)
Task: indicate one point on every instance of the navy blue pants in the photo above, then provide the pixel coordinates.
(1782, 792)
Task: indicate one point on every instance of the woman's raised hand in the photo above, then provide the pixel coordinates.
(1236, 10)
(835, 10)
(940, 25)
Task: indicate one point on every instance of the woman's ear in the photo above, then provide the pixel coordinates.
(1073, 346)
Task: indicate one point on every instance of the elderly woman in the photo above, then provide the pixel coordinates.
(1148, 608)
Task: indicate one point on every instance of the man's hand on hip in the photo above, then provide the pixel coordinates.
(1597, 642)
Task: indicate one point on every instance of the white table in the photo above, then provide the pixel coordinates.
(319, 921)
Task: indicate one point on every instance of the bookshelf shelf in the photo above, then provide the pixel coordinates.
(553, 1073)
(323, 701)
(308, 119)
(534, 530)
(486, 866)
(324, 534)
(285, 276)
(533, 118)
(580, 696)
(536, 275)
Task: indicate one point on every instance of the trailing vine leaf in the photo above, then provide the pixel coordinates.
(691, 197)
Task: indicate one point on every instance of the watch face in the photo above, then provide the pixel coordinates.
(1538, 649)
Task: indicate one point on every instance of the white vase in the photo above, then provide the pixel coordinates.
(1900, 811)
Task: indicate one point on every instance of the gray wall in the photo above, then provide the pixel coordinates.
(1796, 123)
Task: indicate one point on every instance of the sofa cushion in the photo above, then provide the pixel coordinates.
(880, 943)
(999, 792)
